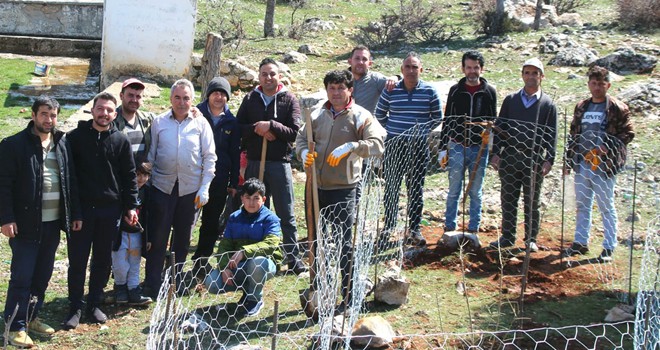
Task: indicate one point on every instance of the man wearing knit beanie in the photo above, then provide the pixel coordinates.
(227, 137)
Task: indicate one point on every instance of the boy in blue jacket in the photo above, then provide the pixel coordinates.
(250, 250)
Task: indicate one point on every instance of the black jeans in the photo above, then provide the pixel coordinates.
(31, 269)
(209, 231)
(516, 171)
(168, 212)
(99, 230)
(337, 211)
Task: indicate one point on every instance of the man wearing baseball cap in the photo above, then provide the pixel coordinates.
(227, 138)
(523, 153)
(131, 121)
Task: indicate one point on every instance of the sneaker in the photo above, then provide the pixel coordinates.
(575, 249)
(605, 255)
(416, 238)
(253, 307)
(121, 294)
(135, 298)
(73, 319)
(20, 339)
(95, 315)
(533, 248)
(501, 243)
(39, 327)
(297, 266)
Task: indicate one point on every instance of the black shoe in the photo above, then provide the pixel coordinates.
(417, 239)
(606, 255)
(150, 292)
(252, 307)
(73, 319)
(121, 294)
(135, 298)
(297, 266)
(575, 249)
(501, 243)
(95, 315)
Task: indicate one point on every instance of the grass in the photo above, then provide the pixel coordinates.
(434, 304)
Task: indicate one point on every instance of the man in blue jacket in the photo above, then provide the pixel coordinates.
(108, 191)
(38, 197)
(227, 138)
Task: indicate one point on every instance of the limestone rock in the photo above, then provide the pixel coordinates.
(392, 288)
(294, 57)
(625, 61)
(372, 332)
(317, 25)
(573, 57)
(238, 75)
(616, 314)
(309, 50)
(570, 19)
(455, 239)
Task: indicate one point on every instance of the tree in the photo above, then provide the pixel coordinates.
(537, 15)
(269, 21)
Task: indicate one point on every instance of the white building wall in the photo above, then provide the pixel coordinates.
(149, 39)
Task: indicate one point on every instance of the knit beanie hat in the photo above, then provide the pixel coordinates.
(218, 84)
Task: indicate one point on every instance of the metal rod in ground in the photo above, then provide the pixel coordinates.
(170, 290)
(563, 194)
(632, 230)
(276, 317)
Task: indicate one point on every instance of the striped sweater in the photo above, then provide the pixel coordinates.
(400, 110)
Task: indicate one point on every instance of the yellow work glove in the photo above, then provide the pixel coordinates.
(443, 159)
(593, 158)
(341, 152)
(485, 137)
(308, 157)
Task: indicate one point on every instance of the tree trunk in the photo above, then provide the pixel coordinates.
(537, 16)
(210, 60)
(269, 21)
(500, 8)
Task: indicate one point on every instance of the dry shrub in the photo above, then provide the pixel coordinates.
(639, 14)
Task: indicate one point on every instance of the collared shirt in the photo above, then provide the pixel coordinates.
(182, 151)
(529, 100)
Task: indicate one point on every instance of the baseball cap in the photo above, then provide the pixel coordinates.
(130, 81)
(534, 62)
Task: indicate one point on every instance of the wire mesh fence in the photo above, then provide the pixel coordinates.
(494, 292)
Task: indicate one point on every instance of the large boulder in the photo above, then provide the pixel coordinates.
(317, 25)
(573, 57)
(392, 288)
(626, 61)
(294, 57)
(372, 332)
(569, 20)
(642, 96)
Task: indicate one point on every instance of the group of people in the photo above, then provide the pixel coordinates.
(120, 184)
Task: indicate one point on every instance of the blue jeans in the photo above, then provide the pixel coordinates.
(126, 260)
(279, 186)
(31, 269)
(590, 183)
(463, 158)
(249, 277)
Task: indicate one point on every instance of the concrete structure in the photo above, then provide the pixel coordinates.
(151, 39)
(73, 19)
(51, 27)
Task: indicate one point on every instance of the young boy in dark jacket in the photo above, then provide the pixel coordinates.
(127, 248)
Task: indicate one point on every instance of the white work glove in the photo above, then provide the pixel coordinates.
(307, 158)
(443, 159)
(341, 152)
(202, 196)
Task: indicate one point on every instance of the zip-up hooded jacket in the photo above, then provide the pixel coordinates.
(227, 138)
(478, 107)
(353, 124)
(283, 113)
(104, 166)
(21, 182)
(616, 123)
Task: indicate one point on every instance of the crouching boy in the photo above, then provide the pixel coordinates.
(250, 250)
(127, 248)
